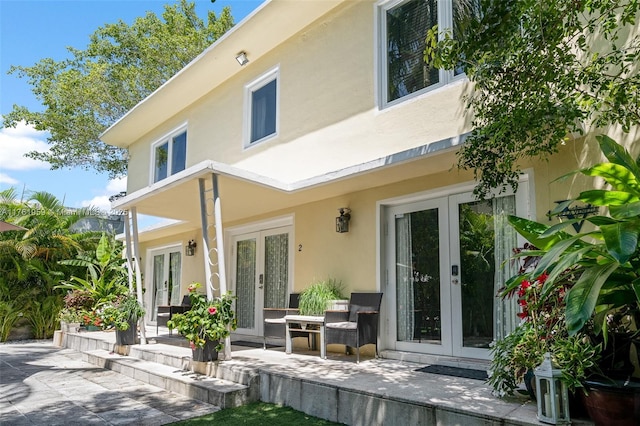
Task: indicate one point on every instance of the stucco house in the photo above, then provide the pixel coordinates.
(334, 110)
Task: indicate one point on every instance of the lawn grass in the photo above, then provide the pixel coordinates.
(257, 413)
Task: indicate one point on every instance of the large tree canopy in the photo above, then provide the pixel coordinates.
(122, 65)
(542, 72)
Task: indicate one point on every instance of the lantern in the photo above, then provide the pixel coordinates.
(551, 393)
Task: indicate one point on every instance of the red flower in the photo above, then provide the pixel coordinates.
(212, 310)
(192, 345)
(543, 277)
(522, 315)
(525, 284)
(191, 288)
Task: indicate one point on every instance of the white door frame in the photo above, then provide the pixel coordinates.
(259, 230)
(150, 254)
(525, 207)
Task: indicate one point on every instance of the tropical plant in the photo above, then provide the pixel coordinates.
(315, 298)
(206, 320)
(29, 268)
(598, 271)
(105, 277)
(604, 261)
(543, 329)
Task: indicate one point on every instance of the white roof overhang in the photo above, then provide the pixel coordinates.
(217, 64)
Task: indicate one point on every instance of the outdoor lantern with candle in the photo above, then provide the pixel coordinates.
(551, 393)
(190, 248)
(342, 221)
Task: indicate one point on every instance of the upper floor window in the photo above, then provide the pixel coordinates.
(169, 155)
(261, 108)
(403, 28)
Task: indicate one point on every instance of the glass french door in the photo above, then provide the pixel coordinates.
(166, 267)
(262, 273)
(448, 255)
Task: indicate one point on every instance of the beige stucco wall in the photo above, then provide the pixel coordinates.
(329, 119)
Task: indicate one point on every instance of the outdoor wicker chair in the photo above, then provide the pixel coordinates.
(356, 327)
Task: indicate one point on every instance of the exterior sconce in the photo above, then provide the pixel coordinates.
(551, 394)
(342, 221)
(242, 58)
(190, 248)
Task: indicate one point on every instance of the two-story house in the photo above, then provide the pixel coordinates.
(305, 109)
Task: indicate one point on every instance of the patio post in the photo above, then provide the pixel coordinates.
(213, 257)
(136, 262)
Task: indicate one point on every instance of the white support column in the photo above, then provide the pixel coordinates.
(127, 241)
(222, 276)
(136, 262)
(211, 216)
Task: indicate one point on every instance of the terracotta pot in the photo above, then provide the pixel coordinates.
(613, 403)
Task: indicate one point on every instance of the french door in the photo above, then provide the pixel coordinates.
(446, 262)
(166, 267)
(261, 275)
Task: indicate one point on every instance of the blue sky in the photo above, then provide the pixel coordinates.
(31, 30)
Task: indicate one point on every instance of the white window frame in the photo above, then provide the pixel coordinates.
(166, 139)
(263, 80)
(446, 77)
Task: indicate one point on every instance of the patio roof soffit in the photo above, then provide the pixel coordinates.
(207, 167)
(217, 64)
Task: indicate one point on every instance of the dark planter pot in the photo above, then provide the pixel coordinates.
(613, 403)
(207, 353)
(129, 336)
(93, 328)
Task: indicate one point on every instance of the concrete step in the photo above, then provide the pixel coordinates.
(184, 381)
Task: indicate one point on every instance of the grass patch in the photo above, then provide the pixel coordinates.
(257, 413)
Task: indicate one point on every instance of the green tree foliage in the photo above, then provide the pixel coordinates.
(29, 268)
(542, 71)
(122, 65)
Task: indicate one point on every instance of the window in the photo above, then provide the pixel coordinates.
(403, 29)
(169, 155)
(261, 108)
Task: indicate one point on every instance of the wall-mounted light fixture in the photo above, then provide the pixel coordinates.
(342, 221)
(242, 58)
(190, 248)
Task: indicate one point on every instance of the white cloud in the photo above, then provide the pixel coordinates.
(101, 202)
(117, 185)
(15, 142)
(5, 178)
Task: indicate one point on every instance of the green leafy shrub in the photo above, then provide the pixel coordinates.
(314, 299)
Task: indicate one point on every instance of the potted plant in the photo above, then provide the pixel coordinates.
(602, 266)
(123, 314)
(90, 320)
(76, 302)
(69, 319)
(320, 296)
(206, 324)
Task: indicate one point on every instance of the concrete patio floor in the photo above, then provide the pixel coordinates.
(373, 392)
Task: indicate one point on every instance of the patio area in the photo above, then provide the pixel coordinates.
(373, 392)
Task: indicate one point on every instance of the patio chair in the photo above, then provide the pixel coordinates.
(274, 323)
(356, 327)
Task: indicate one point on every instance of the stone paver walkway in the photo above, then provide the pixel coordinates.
(41, 384)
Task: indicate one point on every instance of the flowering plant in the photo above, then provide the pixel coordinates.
(90, 317)
(542, 329)
(122, 312)
(207, 320)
